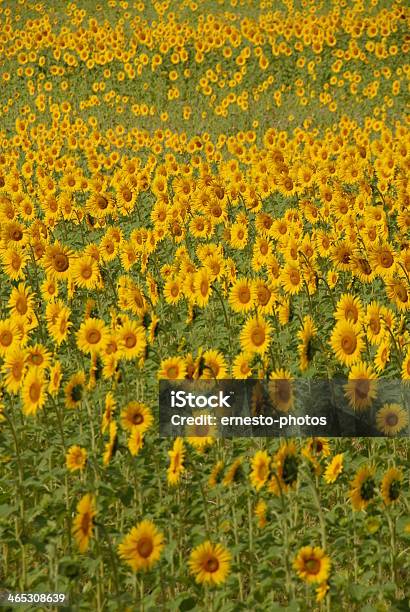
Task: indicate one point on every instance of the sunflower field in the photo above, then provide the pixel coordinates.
(199, 190)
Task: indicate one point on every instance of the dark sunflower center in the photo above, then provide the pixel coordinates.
(211, 565)
(93, 336)
(394, 490)
(258, 336)
(349, 344)
(61, 262)
(244, 295)
(392, 419)
(6, 338)
(77, 393)
(145, 547)
(386, 259)
(290, 470)
(35, 391)
(362, 388)
(367, 489)
(137, 419)
(312, 566)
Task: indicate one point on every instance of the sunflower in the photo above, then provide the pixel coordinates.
(85, 272)
(210, 563)
(363, 488)
(10, 336)
(382, 356)
(260, 469)
(214, 366)
(285, 464)
(131, 340)
(109, 407)
(361, 388)
(176, 462)
(241, 368)
(374, 328)
(398, 293)
(349, 308)
(216, 474)
(38, 356)
(14, 369)
(92, 336)
(33, 391)
(238, 236)
(76, 458)
(136, 414)
(347, 342)
(202, 287)
(306, 346)
(255, 335)
(57, 260)
(312, 564)
(391, 419)
(14, 261)
(260, 513)
(142, 547)
(405, 368)
(83, 523)
(234, 473)
(21, 301)
(391, 485)
(383, 260)
(55, 379)
(280, 389)
(241, 296)
(135, 441)
(291, 279)
(111, 446)
(172, 368)
(333, 469)
(74, 390)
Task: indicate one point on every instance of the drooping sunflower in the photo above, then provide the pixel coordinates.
(260, 469)
(111, 446)
(347, 342)
(176, 462)
(136, 414)
(214, 365)
(391, 419)
(285, 469)
(261, 509)
(312, 564)
(363, 488)
(405, 368)
(333, 469)
(216, 474)
(76, 458)
(210, 563)
(74, 390)
(256, 335)
(234, 473)
(202, 287)
(135, 441)
(361, 388)
(142, 547)
(280, 389)
(92, 336)
(110, 405)
(33, 391)
(391, 485)
(306, 346)
(83, 524)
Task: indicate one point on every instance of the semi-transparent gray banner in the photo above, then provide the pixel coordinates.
(284, 408)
